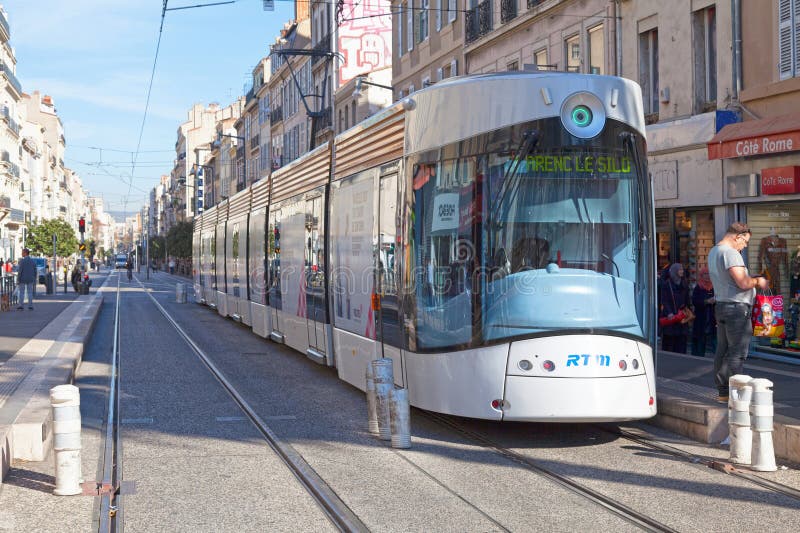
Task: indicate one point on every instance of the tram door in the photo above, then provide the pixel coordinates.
(314, 282)
(387, 327)
(274, 260)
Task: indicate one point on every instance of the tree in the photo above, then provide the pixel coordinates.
(40, 238)
(179, 240)
(157, 243)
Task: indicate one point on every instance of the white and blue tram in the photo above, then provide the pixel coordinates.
(491, 234)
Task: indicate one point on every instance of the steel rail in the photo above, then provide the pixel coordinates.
(721, 466)
(332, 506)
(110, 504)
(629, 514)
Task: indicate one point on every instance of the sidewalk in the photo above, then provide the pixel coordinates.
(687, 400)
(39, 349)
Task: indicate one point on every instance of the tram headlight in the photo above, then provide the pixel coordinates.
(583, 115)
(525, 365)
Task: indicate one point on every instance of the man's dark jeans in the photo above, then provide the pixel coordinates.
(733, 341)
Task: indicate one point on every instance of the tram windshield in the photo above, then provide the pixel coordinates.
(528, 235)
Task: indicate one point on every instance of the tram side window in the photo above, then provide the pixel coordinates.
(274, 260)
(446, 211)
(221, 283)
(258, 258)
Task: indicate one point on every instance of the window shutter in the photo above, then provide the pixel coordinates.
(438, 15)
(451, 14)
(454, 67)
(400, 20)
(785, 44)
(796, 37)
(439, 74)
(410, 27)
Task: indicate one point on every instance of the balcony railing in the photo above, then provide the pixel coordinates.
(323, 46)
(4, 24)
(6, 115)
(478, 21)
(276, 115)
(508, 10)
(325, 121)
(12, 79)
(249, 96)
(255, 140)
(534, 3)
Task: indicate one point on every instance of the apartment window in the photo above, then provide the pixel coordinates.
(346, 117)
(353, 114)
(540, 60)
(438, 15)
(410, 25)
(454, 67)
(597, 52)
(572, 53)
(705, 58)
(439, 74)
(423, 20)
(788, 36)
(648, 69)
(400, 29)
(513, 66)
(341, 121)
(451, 10)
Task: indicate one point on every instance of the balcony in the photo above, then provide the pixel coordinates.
(534, 3)
(12, 79)
(478, 21)
(508, 10)
(255, 140)
(276, 115)
(4, 26)
(322, 47)
(325, 121)
(249, 96)
(5, 114)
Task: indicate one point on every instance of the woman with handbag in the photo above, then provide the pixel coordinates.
(675, 314)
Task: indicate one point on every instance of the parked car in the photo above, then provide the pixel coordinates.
(120, 261)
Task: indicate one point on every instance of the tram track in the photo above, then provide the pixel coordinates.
(641, 520)
(714, 464)
(337, 512)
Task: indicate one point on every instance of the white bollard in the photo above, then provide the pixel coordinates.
(400, 415)
(180, 293)
(741, 435)
(65, 401)
(761, 414)
(384, 383)
(372, 409)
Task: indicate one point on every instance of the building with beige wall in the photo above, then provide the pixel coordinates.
(12, 190)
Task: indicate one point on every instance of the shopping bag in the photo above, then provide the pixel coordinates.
(767, 316)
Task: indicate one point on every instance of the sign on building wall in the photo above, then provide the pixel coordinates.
(664, 177)
(364, 37)
(780, 180)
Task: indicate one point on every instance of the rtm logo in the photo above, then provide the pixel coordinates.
(600, 360)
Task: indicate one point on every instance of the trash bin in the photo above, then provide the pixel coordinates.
(49, 283)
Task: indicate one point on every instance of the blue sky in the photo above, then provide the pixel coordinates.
(95, 57)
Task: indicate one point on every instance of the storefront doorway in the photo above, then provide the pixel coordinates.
(685, 236)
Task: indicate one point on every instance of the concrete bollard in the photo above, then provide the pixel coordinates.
(384, 383)
(180, 293)
(741, 435)
(400, 415)
(65, 401)
(372, 410)
(761, 414)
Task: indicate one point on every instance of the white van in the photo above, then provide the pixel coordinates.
(120, 261)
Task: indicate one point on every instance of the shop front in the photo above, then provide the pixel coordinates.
(761, 168)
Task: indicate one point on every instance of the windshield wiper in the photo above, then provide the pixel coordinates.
(529, 140)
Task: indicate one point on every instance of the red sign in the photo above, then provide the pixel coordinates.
(780, 180)
(761, 145)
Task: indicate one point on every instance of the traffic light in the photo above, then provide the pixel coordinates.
(82, 247)
(81, 225)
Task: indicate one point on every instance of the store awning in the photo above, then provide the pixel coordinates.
(757, 137)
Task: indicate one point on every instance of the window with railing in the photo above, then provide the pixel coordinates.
(478, 21)
(322, 47)
(534, 3)
(508, 10)
(276, 115)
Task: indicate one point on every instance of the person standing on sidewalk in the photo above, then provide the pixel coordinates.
(734, 291)
(26, 277)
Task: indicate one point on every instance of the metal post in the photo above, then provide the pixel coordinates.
(147, 244)
(372, 409)
(384, 383)
(65, 401)
(741, 435)
(761, 413)
(400, 414)
(54, 271)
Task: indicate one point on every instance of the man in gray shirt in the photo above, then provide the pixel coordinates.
(26, 278)
(734, 290)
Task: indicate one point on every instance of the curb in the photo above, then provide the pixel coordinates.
(30, 435)
(708, 423)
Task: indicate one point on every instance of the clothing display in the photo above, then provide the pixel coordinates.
(773, 256)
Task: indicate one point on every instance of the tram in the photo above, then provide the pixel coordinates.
(491, 234)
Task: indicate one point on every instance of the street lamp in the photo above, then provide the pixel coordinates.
(362, 80)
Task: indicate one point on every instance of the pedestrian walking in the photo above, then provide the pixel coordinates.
(76, 277)
(26, 279)
(171, 265)
(129, 268)
(734, 290)
(674, 313)
(704, 328)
